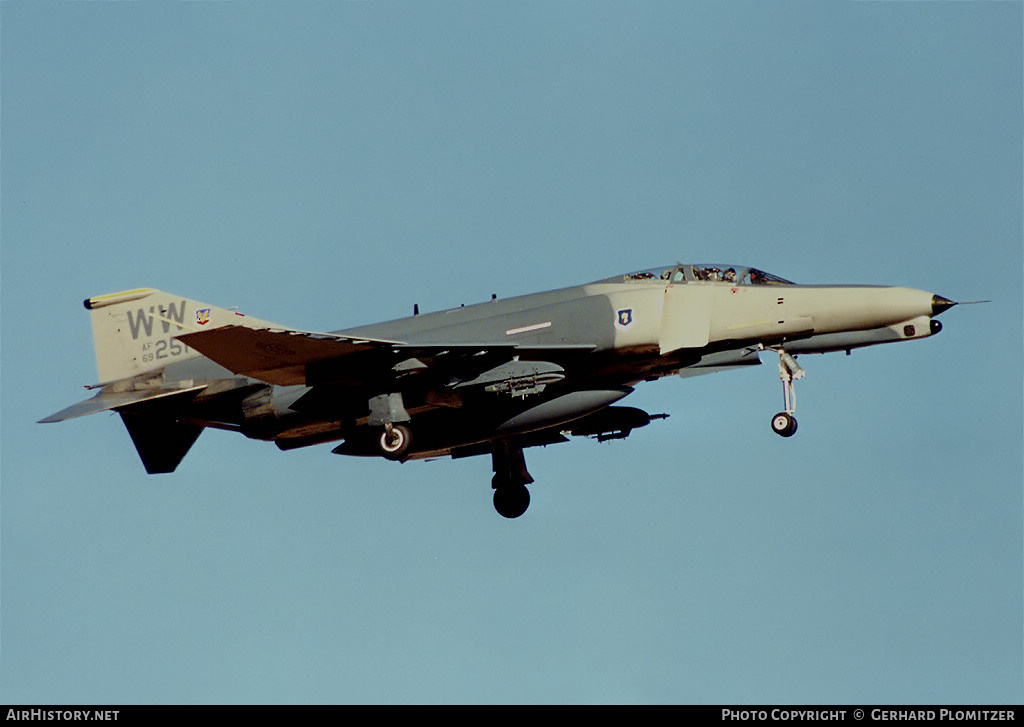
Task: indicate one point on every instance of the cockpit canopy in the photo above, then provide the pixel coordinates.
(698, 273)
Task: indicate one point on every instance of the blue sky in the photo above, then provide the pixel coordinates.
(326, 165)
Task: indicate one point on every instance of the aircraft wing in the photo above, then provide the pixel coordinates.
(275, 355)
(284, 357)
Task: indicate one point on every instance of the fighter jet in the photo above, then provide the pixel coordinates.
(493, 378)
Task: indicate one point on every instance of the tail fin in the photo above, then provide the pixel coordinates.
(134, 334)
(134, 330)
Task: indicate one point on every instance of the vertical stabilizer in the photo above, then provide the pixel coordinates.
(134, 330)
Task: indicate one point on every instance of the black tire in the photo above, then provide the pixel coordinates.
(511, 501)
(784, 424)
(394, 443)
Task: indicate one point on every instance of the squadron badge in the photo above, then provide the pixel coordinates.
(202, 316)
(625, 317)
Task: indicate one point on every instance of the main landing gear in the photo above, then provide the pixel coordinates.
(784, 423)
(511, 498)
(394, 441)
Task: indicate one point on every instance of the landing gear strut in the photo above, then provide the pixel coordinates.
(511, 498)
(784, 423)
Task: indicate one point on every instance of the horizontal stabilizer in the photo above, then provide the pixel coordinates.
(107, 400)
(161, 441)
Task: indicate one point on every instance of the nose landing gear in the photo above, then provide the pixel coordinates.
(784, 423)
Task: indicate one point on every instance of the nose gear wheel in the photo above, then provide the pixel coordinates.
(784, 424)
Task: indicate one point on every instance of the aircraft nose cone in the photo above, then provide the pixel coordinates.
(940, 304)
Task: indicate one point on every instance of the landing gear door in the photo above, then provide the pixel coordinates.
(685, 317)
